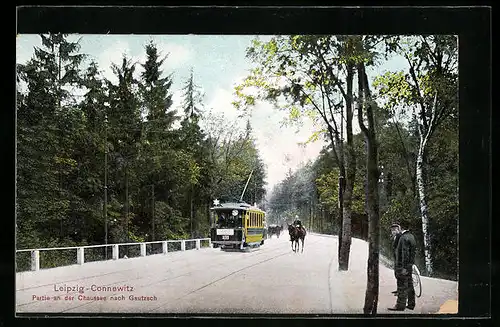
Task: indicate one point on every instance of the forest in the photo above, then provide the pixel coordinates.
(116, 163)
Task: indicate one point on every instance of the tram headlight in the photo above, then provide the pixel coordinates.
(235, 213)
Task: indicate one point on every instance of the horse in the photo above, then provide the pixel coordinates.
(297, 233)
(273, 229)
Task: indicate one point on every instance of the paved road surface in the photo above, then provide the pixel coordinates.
(271, 280)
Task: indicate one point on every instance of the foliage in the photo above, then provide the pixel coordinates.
(155, 173)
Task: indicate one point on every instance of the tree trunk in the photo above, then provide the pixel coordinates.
(309, 222)
(350, 174)
(191, 210)
(126, 195)
(346, 230)
(59, 78)
(372, 287)
(372, 195)
(424, 210)
(209, 218)
(341, 215)
(153, 214)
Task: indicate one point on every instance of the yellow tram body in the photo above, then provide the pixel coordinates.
(237, 226)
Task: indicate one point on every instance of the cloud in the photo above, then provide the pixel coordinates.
(113, 54)
(222, 103)
(279, 145)
(178, 55)
(24, 52)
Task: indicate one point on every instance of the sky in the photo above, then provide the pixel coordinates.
(218, 63)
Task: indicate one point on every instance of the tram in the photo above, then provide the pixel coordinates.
(237, 226)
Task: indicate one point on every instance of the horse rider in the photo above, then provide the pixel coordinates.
(403, 265)
(297, 222)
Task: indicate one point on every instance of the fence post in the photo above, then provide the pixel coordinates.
(164, 246)
(197, 244)
(116, 252)
(183, 245)
(143, 249)
(209, 242)
(80, 256)
(35, 260)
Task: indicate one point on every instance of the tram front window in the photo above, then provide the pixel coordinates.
(225, 219)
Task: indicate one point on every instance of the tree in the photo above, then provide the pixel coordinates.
(372, 175)
(124, 138)
(88, 179)
(429, 89)
(47, 129)
(192, 140)
(305, 75)
(158, 140)
(155, 93)
(192, 98)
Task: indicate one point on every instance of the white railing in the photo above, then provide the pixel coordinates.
(80, 250)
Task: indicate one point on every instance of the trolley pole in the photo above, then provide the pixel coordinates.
(153, 214)
(106, 183)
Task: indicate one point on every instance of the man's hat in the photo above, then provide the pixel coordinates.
(394, 225)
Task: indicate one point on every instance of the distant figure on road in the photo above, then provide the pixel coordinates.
(403, 264)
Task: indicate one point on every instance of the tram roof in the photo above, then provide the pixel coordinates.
(235, 205)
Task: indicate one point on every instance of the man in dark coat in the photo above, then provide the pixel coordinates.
(395, 228)
(403, 265)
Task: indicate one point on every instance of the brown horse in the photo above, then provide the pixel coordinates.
(297, 233)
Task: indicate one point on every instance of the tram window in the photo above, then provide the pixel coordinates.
(237, 221)
(234, 221)
(227, 220)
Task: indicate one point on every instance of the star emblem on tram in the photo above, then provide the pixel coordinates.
(216, 202)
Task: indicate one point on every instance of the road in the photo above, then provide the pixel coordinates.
(270, 280)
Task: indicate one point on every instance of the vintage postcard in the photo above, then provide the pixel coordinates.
(237, 174)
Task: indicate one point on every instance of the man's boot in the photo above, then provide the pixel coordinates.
(396, 308)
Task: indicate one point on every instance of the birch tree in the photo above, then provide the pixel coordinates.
(428, 89)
